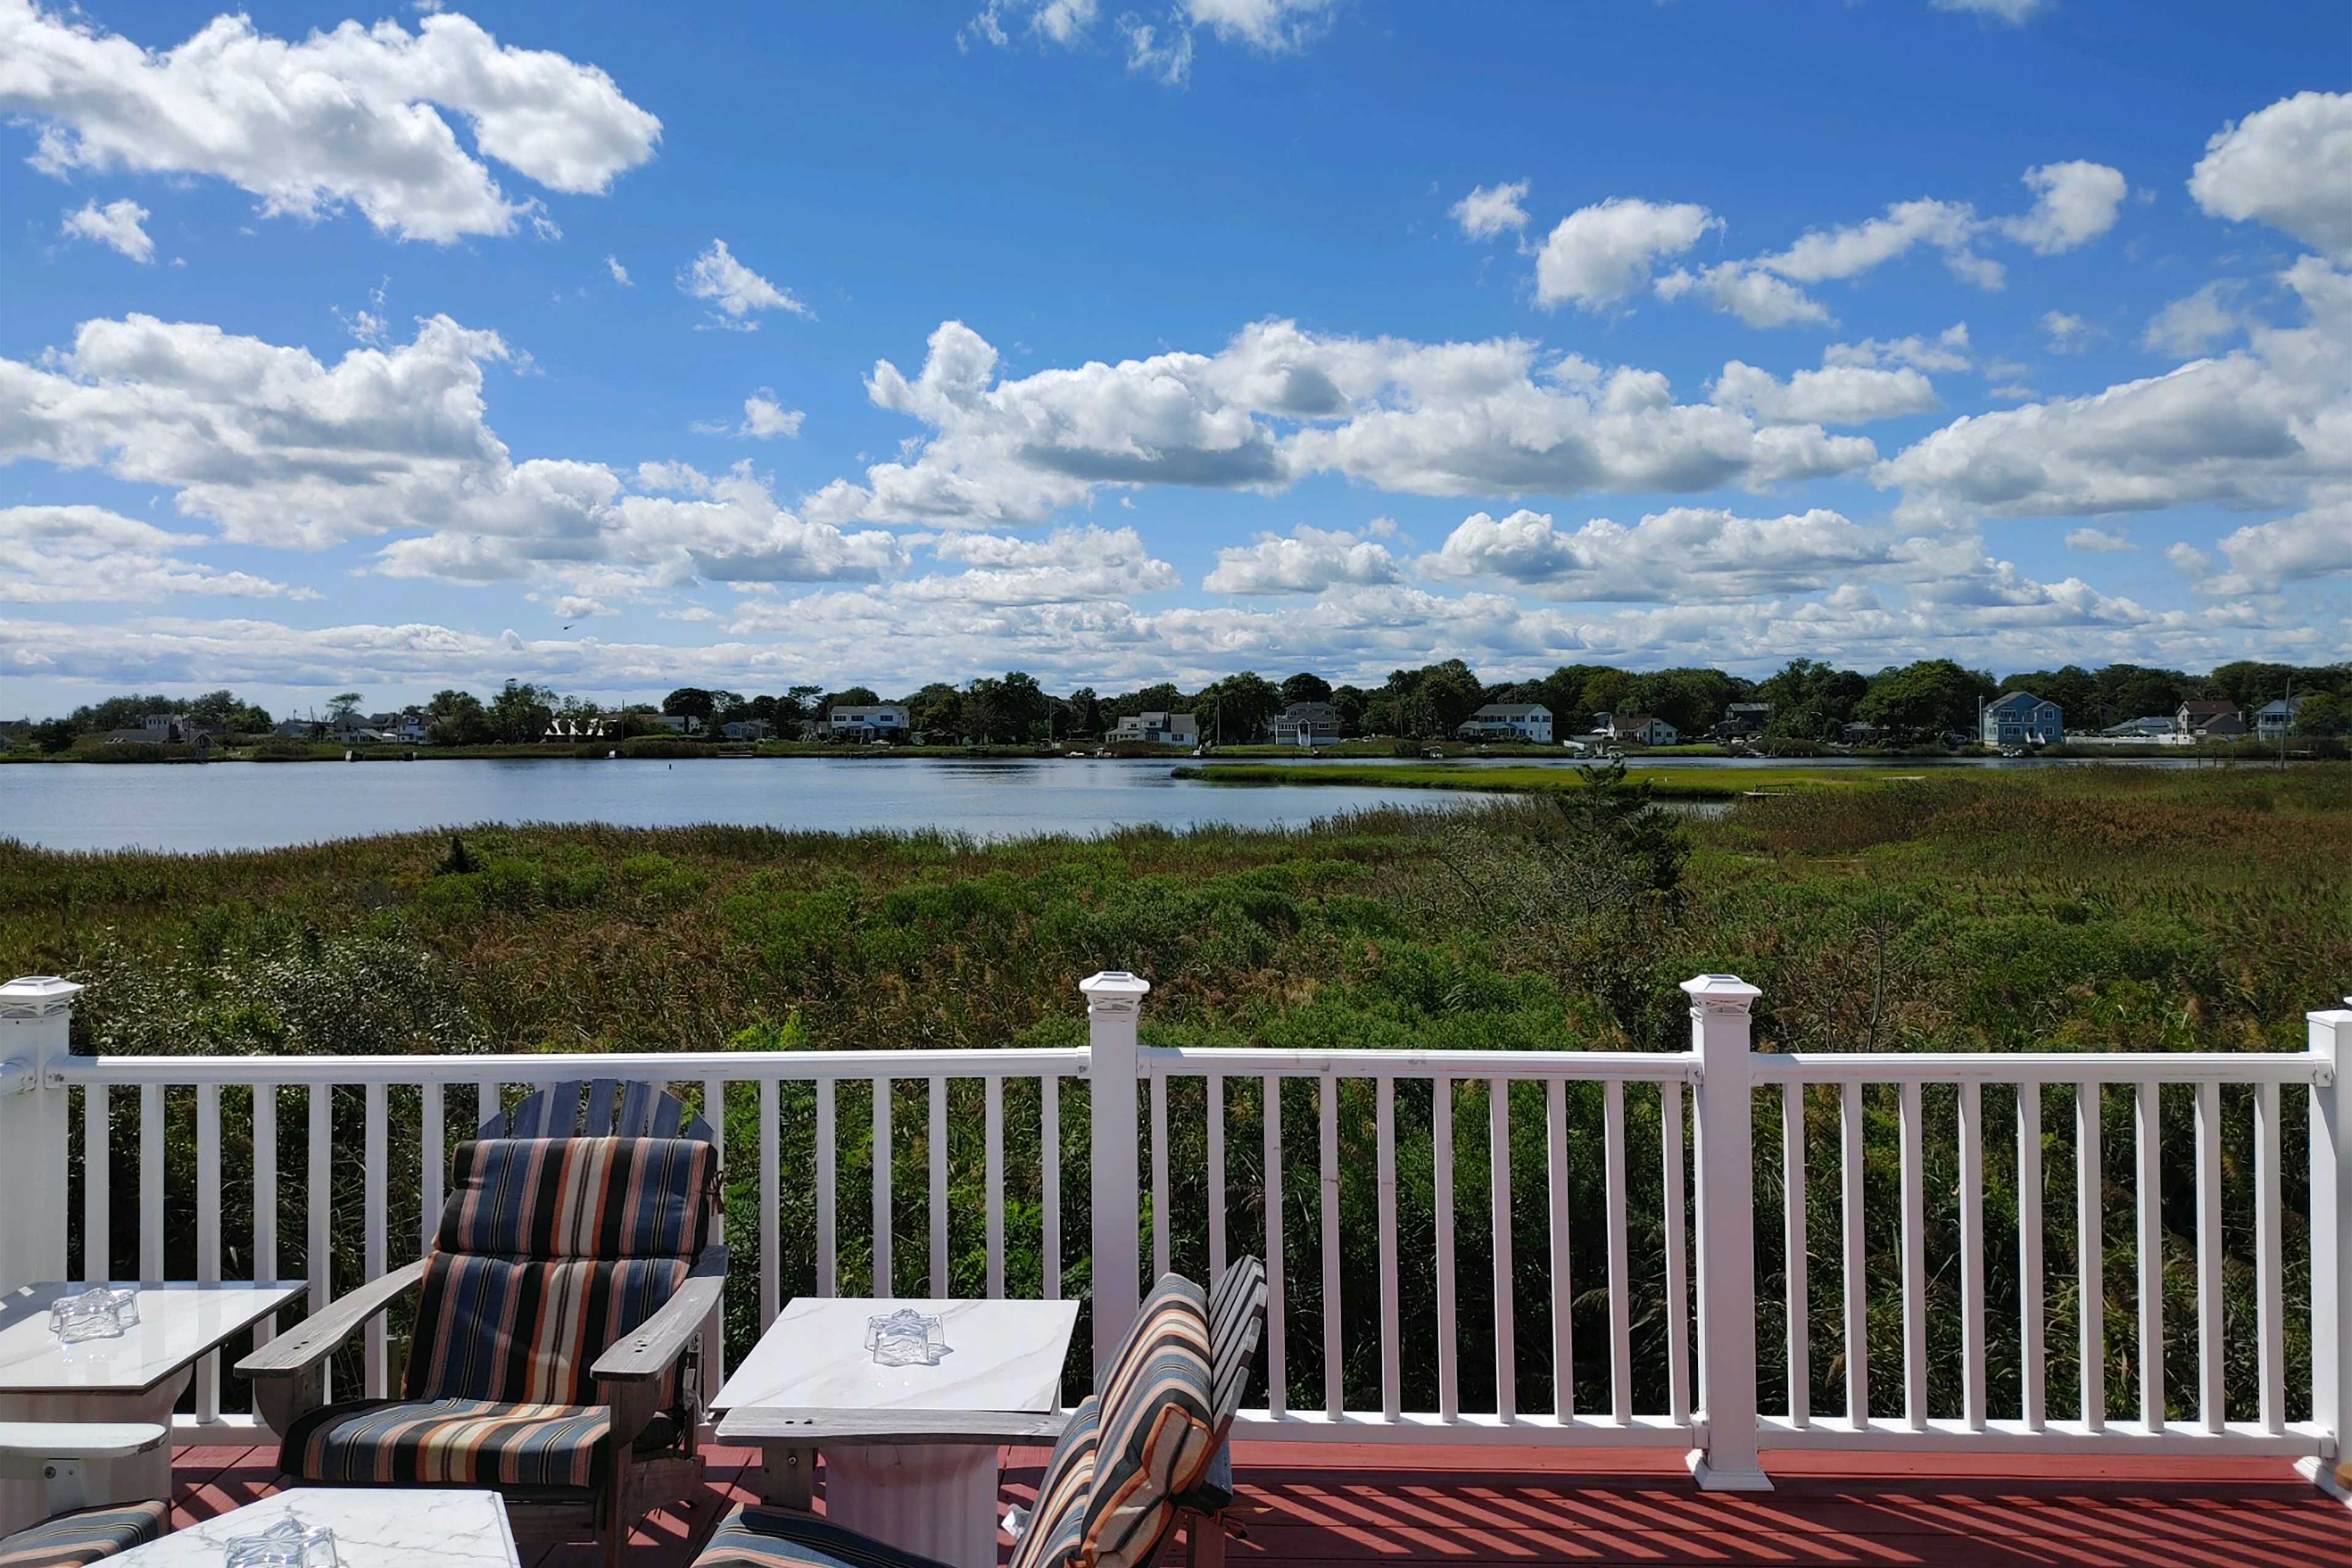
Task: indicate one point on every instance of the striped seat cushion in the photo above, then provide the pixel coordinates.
(71, 1539)
(1158, 1432)
(1059, 1521)
(781, 1538)
(1236, 1324)
(448, 1442)
(581, 1197)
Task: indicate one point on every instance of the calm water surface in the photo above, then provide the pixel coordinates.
(259, 805)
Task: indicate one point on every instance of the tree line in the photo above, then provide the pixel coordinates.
(1809, 700)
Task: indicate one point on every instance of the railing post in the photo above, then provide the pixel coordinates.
(1114, 1000)
(36, 1021)
(2331, 1257)
(1722, 1141)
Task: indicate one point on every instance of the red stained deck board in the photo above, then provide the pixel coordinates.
(1331, 1506)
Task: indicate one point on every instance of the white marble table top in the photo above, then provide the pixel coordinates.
(178, 1321)
(1002, 1356)
(375, 1527)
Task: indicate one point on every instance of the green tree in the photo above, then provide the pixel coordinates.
(2133, 691)
(457, 719)
(1689, 700)
(1239, 708)
(342, 704)
(1924, 699)
(1082, 712)
(1809, 698)
(691, 703)
(521, 711)
(1305, 686)
(1350, 701)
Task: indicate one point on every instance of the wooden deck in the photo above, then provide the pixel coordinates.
(1310, 1506)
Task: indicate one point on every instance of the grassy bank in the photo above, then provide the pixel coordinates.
(2072, 910)
(1667, 782)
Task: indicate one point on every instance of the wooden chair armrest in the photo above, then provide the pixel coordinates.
(38, 1440)
(312, 1341)
(654, 1347)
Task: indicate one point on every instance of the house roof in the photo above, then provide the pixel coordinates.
(1513, 711)
(2209, 707)
(1315, 712)
(867, 711)
(2018, 700)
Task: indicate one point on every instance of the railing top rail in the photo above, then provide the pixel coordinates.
(659, 1066)
(2301, 1067)
(1637, 1066)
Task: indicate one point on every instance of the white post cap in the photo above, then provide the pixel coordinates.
(1722, 993)
(38, 996)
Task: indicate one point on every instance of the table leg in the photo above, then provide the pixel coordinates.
(937, 1499)
(135, 1479)
(785, 1475)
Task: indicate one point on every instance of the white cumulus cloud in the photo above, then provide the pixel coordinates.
(117, 225)
(764, 417)
(1834, 395)
(86, 555)
(2074, 203)
(735, 293)
(1307, 560)
(2289, 165)
(353, 116)
(1602, 254)
(1490, 210)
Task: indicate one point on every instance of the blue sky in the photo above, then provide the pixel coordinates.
(892, 343)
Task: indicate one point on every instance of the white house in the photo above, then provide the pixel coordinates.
(1306, 724)
(1508, 722)
(868, 721)
(1639, 730)
(1157, 730)
(2276, 720)
(2021, 719)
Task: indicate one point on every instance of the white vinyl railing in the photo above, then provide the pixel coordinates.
(1476, 1246)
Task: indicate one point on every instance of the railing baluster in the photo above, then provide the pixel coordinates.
(937, 1143)
(1498, 1161)
(1914, 1262)
(2031, 1375)
(2213, 1401)
(992, 1152)
(1793, 1244)
(828, 1228)
(1213, 1093)
(264, 1199)
(2090, 1204)
(2270, 1272)
(1049, 1153)
(2148, 1129)
(97, 1181)
(1563, 1293)
(884, 1275)
(1335, 1398)
(373, 1151)
(1159, 1175)
(1441, 1139)
(1856, 1260)
(1392, 1329)
(429, 1157)
(1621, 1312)
(485, 1101)
(1675, 1194)
(714, 1329)
(151, 1181)
(1277, 1371)
(1972, 1258)
(318, 1205)
(208, 1206)
(771, 1272)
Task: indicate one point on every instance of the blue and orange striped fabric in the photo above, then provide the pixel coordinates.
(91, 1535)
(550, 1250)
(448, 1442)
(1058, 1523)
(1158, 1432)
(782, 1538)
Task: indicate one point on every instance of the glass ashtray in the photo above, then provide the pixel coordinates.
(906, 1338)
(98, 1313)
(286, 1544)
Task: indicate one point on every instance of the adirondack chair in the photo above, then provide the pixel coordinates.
(75, 1536)
(1139, 1456)
(576, 1262)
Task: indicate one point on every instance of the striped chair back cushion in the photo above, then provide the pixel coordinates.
(1236, 1324)
(550, 1250)
(581, 1197)
(1157, 1428)
(1058, 1522)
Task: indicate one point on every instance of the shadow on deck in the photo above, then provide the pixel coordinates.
(1305, 1505)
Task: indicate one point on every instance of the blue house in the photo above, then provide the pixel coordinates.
(2021, 719)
